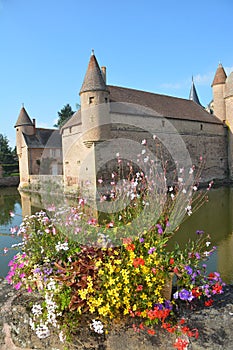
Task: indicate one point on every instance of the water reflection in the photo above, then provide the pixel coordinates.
(9, 201)
(214, 217)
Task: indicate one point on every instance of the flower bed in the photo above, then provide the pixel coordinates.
(121, 267)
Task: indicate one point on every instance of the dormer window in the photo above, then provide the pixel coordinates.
(91, 99)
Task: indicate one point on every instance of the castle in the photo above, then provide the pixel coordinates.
(115, 119)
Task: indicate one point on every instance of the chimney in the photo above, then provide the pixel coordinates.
(103, 69)
(34, 125)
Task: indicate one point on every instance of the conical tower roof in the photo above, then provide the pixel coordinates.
(93, 80)
(23, 118)
(220, 76)
(193, 94)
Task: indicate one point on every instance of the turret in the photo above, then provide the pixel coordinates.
(229, 99)
(218, 87)
(94, 98)
(24, 125)
(193, 94)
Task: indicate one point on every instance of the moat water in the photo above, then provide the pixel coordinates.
(215, 218)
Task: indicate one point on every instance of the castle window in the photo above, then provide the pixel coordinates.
(201, 127)
(106, 100)
(163, 123)
(91, 99)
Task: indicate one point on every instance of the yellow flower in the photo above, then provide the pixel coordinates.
(143, 296)
(98, 263)
(83, 293)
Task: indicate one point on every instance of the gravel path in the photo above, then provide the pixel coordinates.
(215, 325)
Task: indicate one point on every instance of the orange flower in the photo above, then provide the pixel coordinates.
(138, 261)
(151, 331)
(130, 247)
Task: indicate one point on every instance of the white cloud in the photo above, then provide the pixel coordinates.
(204, 79)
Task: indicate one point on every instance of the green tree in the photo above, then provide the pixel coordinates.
(6, 153)
(63, 115)
(8, 157)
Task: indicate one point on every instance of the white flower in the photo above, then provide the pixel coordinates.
(170, 188)
(154, 137)
(37, 309)
(143, 151)
(208, 243)
(62, 337)
(184, 191)
(146, 159)
(42, 331)
(180, 179)
(194, 188)
(172, 196)
(117, 154)
(191, 171)
(61, 246)
(144, 142)
(51, 285)
(97, 326)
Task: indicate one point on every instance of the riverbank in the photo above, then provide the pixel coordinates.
(214, 323)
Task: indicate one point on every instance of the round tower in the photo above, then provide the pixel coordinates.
(229, 99)
(24, 125)
(94, 99)
(218, 87)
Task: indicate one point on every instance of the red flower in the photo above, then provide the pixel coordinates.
(130, 247)
(141, 326)
(171, 261)
(209, 302)
(151, 331)
(196, 292)
(181, 344)
(138, 261)
(139, 288)
(217, 289)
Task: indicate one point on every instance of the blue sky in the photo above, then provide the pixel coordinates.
(148, 45)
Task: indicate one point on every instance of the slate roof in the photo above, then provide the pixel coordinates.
(93, 80)
(75, 119)
(23, 118)
(44, 138)
(220, 76)
(193, 94)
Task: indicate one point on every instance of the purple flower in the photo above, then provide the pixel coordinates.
(141, 240)
(185, 295)
(151, 250)
(199, 232)
(197, 255)
(189, 270)
(160, 230)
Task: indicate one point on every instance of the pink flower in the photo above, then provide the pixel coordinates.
(17, 285)
(22, 275)
(29, 289)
